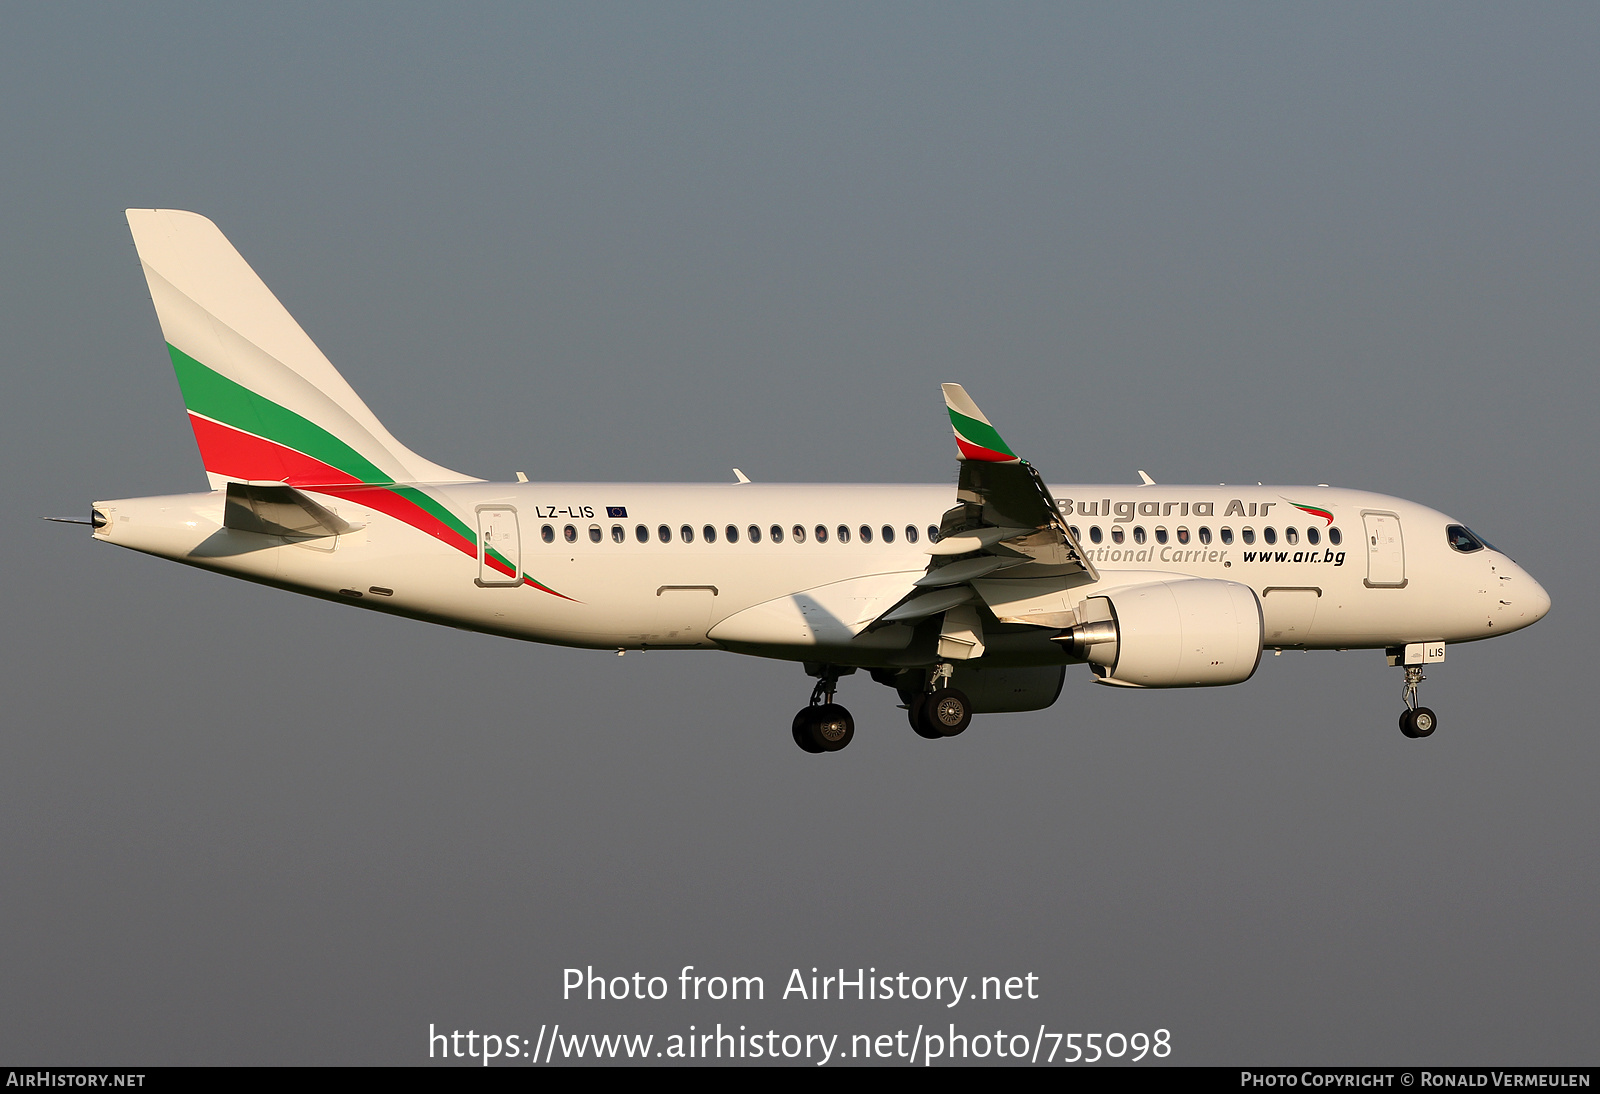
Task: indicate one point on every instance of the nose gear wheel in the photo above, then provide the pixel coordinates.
(1416, 721)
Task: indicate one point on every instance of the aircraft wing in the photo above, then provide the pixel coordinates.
(1004, 542)
(1003, 503)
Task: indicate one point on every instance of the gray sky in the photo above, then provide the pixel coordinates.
(1353, 244)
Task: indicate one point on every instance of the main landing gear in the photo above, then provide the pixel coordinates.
(823, 725)
(1416, 721)
(936, 709)
(941, 711)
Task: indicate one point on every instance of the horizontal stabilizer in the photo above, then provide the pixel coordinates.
(280, 511)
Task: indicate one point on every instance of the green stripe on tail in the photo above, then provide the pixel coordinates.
(213, 395)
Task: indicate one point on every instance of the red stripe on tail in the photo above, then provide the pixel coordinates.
(236, 455)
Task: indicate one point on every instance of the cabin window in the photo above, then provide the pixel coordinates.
(1117, 534)
(1461, 539)
(1291, 536)
(1227, 535)
(799, 531)
(686, 534)
(594, 533)
(888, 534)
(754, 532)
(866, 533)
(1095, 535)
(618, 535)
(664, 534)
(1269, 535)
(1077, 535)
(570, 534)
(548, 534)
(710, 533)
(642, 534)
(844, 533)
(1205, 534)
(821, 532)
(1248, 535)
(1183, 535)
(1335, 536)
(911, 533)
(732, 532)
(1313, 536)
(1161, 535)
(776, 532)
(933, 533)
(1139, 535)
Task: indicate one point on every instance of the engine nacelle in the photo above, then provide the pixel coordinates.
(990, 689)
(1183, 633)
(995, 690)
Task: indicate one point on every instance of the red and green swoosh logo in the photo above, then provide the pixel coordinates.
(243, 435)
(1313, 511)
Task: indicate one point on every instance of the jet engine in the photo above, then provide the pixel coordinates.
(989, 689)
(1183, 633)
(996, 690)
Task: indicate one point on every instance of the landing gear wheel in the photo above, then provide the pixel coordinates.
(830, 727)
(947, 711)
(802, 731)
(1420, 722)
(919, 724)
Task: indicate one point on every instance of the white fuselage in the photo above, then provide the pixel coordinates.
(593, 582)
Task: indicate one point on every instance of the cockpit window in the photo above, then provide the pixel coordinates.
(1463, 540)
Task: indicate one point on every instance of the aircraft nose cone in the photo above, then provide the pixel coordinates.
(1536, 598)
(1523, 601)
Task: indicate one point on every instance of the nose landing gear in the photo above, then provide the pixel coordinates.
(823, 725)
(1416, 721)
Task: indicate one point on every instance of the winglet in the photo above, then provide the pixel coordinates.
(975, 437)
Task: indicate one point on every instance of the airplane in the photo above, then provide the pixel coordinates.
(971, 604)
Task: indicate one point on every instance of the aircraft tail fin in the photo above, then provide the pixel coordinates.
(265, 404)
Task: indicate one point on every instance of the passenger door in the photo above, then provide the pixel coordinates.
(1386, 551)
(499, 547)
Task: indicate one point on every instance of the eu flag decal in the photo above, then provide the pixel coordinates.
(617, 512)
